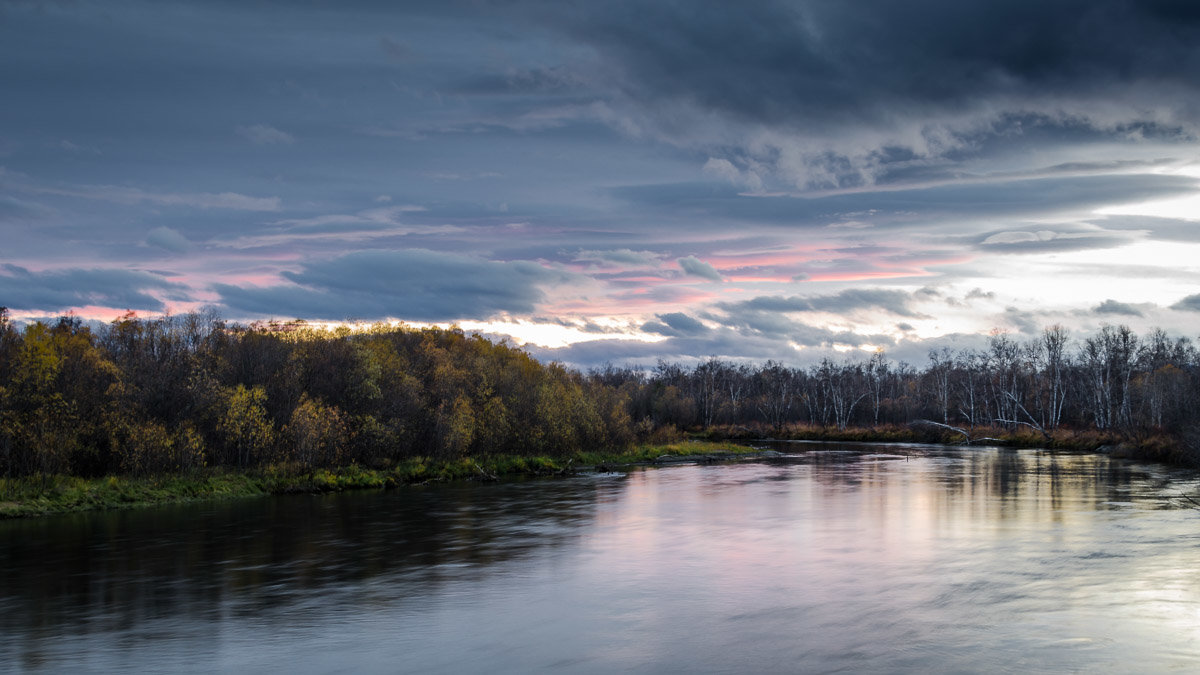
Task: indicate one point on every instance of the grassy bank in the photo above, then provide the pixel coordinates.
(44, 495)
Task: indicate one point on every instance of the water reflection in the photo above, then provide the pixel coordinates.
(863, 558)
(121, 573)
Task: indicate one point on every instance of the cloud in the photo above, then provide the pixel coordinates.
(1111, 306)
(1190, 303)
(394, 50)
(725, 169)
(806, 344)
(892, 301)
(166, 238)
(1049, 241)
(262, 134)
(623, 256)
(693, 266)
(837, 94)
(200, 200)
(414, 284)
(376, 218)
(16, 210)
(60, 290)
(694, 205)
(675, 324)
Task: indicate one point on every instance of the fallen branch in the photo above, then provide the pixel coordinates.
(1032, 423)
(945, 426)
(486, 476)
(966, 434)
(1031, 426)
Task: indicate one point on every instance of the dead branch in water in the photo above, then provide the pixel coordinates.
(966, 434)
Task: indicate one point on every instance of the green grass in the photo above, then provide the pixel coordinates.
(641, 454)
(44, 495)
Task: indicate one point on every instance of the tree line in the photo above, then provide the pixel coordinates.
(1112, 381)
(176, 393)
(171, 394)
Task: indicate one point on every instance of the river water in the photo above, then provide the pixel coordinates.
(834, 558)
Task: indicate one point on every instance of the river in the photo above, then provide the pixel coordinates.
(832, 558)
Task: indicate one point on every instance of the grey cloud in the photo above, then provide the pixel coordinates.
(130, 196)
(724, 343)
(1161, 229)
(541, 80)
(1048, 241)
(169, 239)
(676, 324)
(264, 134)
(738, 344)
(17, 210)
(693, 266)
(1190, 303)
(60, 290)
(819, 69)
(416, 284)
(950, 203)
(396, 51)
(1111, 306)
(823, 59)
(584, 326)
(893, 301)
(622, 256)
(1025, 321)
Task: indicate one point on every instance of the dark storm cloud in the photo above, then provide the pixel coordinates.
(59, 290)
(411, 284)
(840, 94)
(796, 63)
(714, 51)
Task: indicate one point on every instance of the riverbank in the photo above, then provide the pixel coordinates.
(1152, 447)
(46, 495)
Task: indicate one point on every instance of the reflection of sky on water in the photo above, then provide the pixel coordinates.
(905, 558)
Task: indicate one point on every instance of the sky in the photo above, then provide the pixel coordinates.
(610, 181)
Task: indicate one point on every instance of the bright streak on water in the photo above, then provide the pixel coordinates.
(840, 558)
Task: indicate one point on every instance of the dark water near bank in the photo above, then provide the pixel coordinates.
(841, 558)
